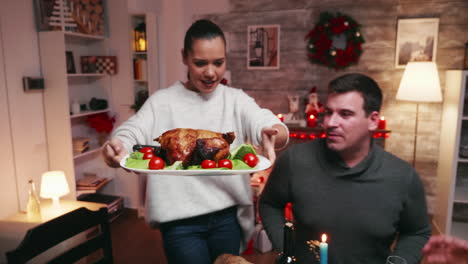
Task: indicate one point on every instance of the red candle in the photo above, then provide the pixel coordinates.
(382, 123)
(281, 117)
(311, 121)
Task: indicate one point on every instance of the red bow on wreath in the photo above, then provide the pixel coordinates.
(335, 41)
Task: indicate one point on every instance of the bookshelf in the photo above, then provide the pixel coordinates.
(144, 59)
(63, 88)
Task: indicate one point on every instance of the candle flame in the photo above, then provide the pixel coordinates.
(280, 115)
(382, 118)
(311, 117)
(324, 238)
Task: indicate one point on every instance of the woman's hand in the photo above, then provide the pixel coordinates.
(113, 151)
(445, 249)
(274, 138)
(268, 142)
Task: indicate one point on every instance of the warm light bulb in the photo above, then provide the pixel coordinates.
(141, 44)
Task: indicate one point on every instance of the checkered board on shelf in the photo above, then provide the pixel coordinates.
(106, 64)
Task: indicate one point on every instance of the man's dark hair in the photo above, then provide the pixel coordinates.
(361, 83)
(201, 29)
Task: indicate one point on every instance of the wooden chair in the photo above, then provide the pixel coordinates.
(80, 221)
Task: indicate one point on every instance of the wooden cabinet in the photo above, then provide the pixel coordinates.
(452, 174)
(61, 89)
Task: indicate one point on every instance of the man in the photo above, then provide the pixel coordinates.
(348, 187)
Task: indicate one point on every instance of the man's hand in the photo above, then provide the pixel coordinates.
(445, 249)
(268, 142)
(113, 151)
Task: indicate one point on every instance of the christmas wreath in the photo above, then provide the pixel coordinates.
(335, 41)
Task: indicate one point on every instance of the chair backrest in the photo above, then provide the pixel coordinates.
(42, 237)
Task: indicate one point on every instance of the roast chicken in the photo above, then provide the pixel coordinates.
(192, 146)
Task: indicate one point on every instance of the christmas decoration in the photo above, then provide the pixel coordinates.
(101, 122)
(62, 16)
(313, 108)
(335, 41)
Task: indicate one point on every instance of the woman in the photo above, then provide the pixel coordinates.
(200, 217)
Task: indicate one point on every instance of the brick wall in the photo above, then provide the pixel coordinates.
(379, 28)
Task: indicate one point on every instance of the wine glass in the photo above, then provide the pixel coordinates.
(395, 260)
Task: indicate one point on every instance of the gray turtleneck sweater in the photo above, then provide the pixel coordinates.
(361, 209)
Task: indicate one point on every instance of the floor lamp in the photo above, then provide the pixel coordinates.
(420, 83)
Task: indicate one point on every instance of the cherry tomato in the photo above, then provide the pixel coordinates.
(250, 159)
(148, 155)
(156, 163)
(225, 163)
(208, 164)
(146, 150)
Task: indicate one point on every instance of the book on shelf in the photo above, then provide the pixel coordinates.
(139, 69)
(91, 182)
(80, 145)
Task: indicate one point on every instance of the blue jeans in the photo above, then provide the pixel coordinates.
(201, 239)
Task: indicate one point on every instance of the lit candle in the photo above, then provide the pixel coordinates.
(382, 123)
(324, 250)
(281, 117)
(311, 121)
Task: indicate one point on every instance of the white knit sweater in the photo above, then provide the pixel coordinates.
(225, 110)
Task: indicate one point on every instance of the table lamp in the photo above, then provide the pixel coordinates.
(54, 185)
(420, 83)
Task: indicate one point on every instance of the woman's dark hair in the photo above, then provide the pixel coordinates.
(361, 83)
(201, 29)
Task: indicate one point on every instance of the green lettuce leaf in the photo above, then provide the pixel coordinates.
(238, 164)
(176, 166)
(137, 163)
(238, 152)
(136, 155)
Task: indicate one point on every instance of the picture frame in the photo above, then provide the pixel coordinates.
(416, 40)
(81, 16)
(70, 62)
(263, 47)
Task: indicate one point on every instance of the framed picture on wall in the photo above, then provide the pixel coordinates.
(416, 40)
(82, 16)
(263, 44)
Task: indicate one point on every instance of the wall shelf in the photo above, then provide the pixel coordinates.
(74, 75)
(88, 113)
(80, 36)
(87, 153)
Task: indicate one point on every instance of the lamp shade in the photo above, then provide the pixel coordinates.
(420, 83)
(54, 184)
